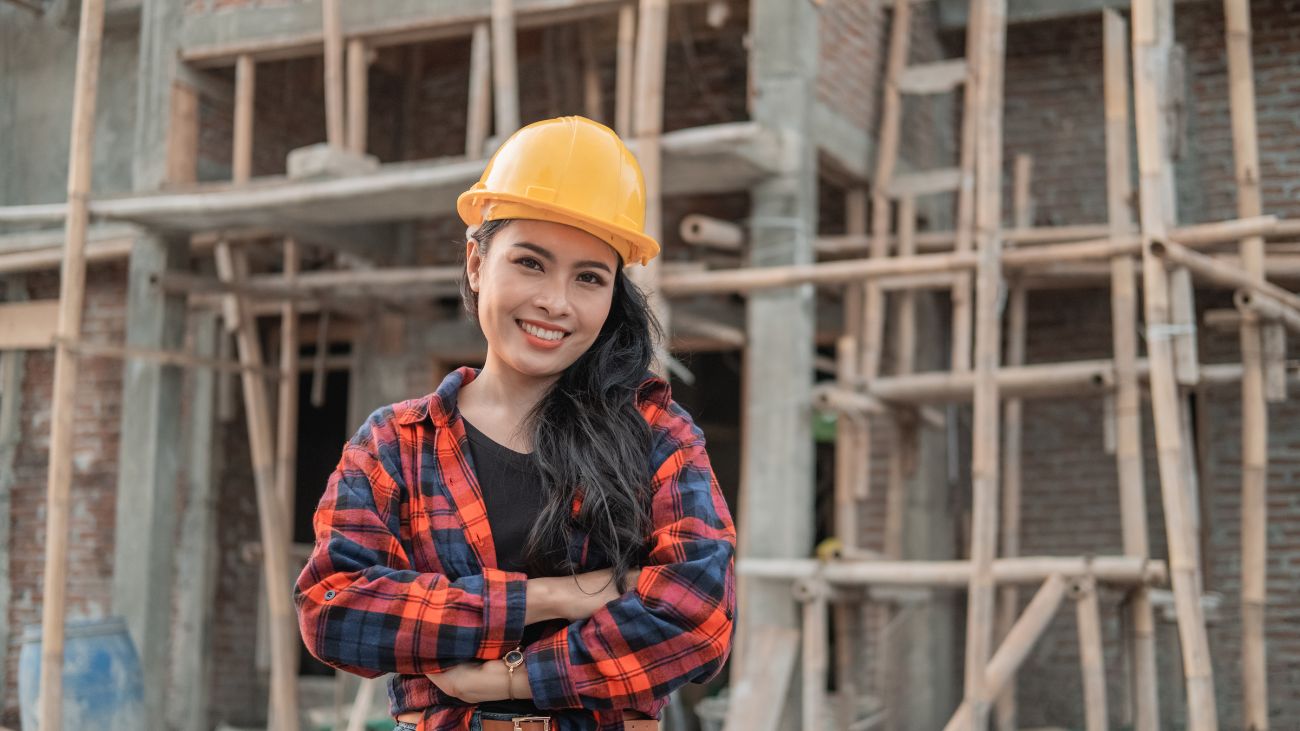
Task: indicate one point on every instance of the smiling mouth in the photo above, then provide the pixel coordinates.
(540, 333)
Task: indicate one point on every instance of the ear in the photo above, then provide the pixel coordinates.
(473, 263)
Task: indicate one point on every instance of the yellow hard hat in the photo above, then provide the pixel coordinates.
(567, 170)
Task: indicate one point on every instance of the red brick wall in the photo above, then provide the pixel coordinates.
(94, 477)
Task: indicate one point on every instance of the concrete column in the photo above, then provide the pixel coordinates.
(776, 509)
(151, 400)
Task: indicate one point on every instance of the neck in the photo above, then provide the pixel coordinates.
(507, 392)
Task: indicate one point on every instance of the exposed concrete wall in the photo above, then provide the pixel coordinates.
(37, 62)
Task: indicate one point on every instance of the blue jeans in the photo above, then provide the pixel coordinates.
(475, 723)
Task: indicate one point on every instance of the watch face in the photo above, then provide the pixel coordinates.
(514, 657)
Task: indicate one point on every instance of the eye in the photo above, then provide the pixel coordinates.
(591, 278)
(529, 262)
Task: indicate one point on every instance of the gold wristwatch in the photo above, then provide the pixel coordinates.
(513, 659)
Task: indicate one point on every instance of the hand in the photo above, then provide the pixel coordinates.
(480, 682)
(573, 597)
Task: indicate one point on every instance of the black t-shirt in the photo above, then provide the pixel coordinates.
(511, 483)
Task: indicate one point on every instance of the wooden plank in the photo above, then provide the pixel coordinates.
(183, 135)
(1152, 38)
(765, 679)
(72, 294)
(938, 77)
(505, 71)
(1143, 711)
(332, 32)
(927, 182)
(28, 325)
(480, 91)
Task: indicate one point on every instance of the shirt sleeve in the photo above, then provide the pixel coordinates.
(674, 627)
(363, 608)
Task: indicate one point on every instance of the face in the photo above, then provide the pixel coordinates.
(544, 291)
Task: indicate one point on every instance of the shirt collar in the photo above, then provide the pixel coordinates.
(441, 404)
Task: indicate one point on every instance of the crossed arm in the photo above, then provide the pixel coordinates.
(363, 608)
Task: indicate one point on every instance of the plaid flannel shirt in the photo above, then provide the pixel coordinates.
(403, 576)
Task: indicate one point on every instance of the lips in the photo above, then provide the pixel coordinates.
(542, 336)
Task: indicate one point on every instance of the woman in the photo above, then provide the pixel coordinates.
(540, 544)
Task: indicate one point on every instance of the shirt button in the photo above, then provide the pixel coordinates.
(330, 594)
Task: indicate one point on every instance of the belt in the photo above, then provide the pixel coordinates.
(538, 723)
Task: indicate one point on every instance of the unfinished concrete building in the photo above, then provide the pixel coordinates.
(990, 294)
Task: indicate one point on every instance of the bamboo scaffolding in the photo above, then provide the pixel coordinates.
(358, 96)
(1012, 432)
(1152, 28)
(1266, 308)
(480, 91)
(332, 31)
(979, 689)
(1255, 411)
(505, 81)
(1119, 570)
(964, 235)
(72, 295)
(1143, 711)
(815, 639)
(624, 74)
(1001, 667)
(1220, 273)
(1091, 654)
(648, 122)
(232, 267)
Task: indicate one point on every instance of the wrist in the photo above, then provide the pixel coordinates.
(542, 601)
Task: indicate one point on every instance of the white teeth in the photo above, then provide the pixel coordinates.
(543, 334)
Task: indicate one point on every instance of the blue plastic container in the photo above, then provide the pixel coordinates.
(103, 686)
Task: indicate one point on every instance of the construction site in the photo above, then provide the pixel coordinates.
(982, 305)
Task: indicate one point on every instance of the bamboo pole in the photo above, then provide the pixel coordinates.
(1267, 309)
(648, 121)
(812, 594)
(1221, 273)
(1091, 654)
(505, 68)
(282, 711)
(287, 413)
(1122, 570)
(85, 349)
(1009, 596)
(1140, 627)
(626, 71)
(964, 240)
(593, 100)
(358, 95)
(480, 91)
(332, 30)
(1152, 20)
(1254, 407)
(1001, 668)
(823, 273)
(715, 233)
(241, 166)
(979, 693)
(72, 295)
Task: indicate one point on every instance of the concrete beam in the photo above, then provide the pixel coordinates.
(294, 30)
(953, 13)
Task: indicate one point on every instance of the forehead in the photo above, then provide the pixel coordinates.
(566, 243)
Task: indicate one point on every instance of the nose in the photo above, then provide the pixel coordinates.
(553, 298)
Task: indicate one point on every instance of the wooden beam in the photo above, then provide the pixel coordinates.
(72, 295)
(625, 73)
(1091, 654)
(241, 166)
(647, 124)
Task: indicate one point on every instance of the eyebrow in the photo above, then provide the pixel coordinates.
(547, 255)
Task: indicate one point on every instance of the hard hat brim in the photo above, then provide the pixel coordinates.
(634, 246)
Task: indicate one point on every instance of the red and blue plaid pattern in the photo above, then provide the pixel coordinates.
(403, 577)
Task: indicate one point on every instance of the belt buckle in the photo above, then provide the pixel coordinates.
(546, 722)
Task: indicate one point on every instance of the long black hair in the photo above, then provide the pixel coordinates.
(589, 436)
